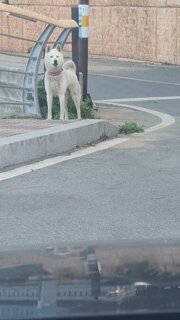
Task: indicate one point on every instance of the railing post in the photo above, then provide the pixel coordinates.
(83, 12)
(75, 40)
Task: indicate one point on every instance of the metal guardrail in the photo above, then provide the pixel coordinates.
(22, 292)
(63, 292)
(29, 96)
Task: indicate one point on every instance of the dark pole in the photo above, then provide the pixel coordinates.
(83, 42)
(75, 39)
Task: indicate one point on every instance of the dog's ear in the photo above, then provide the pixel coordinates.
(48, 48)
(59, 48)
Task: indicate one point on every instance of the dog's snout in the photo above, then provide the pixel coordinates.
(55, 62)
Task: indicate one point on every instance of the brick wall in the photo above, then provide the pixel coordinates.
(137, 29)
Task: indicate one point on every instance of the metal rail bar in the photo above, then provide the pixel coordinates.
(15, 103)
(67, 42)
(17, 55)
(15, 37)
(15, 71)
(14, 87)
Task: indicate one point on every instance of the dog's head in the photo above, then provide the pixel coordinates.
(54, 58)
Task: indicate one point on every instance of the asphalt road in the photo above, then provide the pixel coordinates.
(131, 80)
(128, 192)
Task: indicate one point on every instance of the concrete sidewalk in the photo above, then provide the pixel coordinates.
(25, 140)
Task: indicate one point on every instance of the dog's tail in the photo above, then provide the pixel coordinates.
(70, 65)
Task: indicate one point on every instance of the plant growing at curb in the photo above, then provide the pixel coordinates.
(87, 111)
(130, 127)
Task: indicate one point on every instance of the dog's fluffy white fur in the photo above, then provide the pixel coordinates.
(60, 77)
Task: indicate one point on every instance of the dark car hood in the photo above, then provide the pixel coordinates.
(89, 279)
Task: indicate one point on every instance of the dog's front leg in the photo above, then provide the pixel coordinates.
(62, 106)
(49, 103)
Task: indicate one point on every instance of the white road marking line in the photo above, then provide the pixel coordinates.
(135, 79)
(143, 99)
(166, 120)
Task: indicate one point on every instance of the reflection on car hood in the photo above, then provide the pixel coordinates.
(82, 280)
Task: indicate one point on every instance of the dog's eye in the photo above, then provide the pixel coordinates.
(57, 56)
(51, 56)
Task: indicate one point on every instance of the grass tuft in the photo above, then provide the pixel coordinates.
(130, 127)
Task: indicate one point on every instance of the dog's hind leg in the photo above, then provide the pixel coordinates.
(77, 100)
(75, 92)
(49, 103)
(66, 107)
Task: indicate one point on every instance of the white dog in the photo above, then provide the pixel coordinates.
(61, 76)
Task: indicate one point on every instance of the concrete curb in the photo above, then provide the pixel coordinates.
(22, 148)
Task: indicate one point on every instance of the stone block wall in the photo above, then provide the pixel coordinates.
(136, 29)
